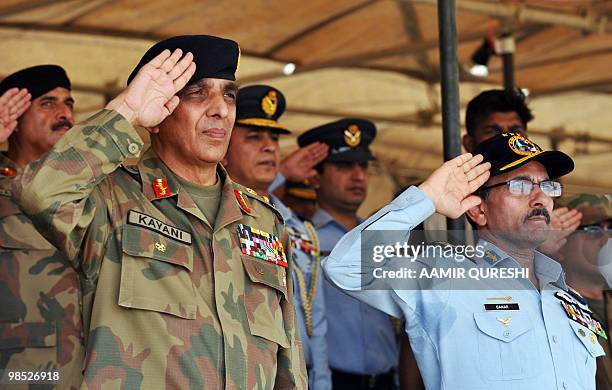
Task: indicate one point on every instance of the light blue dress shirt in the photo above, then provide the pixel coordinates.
(315, 347)
(360, 339)
(458, 344)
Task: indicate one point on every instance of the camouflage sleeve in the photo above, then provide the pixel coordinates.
(291, 372)
(62, 192)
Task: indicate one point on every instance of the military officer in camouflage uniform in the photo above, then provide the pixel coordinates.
(40, 319)
(186, 271)
(580, 261)
(253, 159)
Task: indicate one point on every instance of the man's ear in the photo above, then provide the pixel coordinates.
(477, 214)
(468, 143)
(153, 130)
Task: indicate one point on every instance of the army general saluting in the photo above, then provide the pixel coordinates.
(186, 283)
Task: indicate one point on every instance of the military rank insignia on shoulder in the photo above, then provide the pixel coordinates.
(242, 193)
(262, 245)
(8, 172)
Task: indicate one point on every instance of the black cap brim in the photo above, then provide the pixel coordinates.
(557, 163)
(351, 156)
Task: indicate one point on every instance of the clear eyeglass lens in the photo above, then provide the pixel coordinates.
(551, 188)
(520, 187)
(524, 187)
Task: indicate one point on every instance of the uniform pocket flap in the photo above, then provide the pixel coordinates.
(503, 325)
(270, 274)
(27, 335)
(269, 332)
(140, 242)
(587, 338)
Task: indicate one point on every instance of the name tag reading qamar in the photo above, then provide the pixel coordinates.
(501, 306)
(146, 221)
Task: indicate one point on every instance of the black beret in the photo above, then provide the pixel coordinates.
(348, 139)
(509, 151)
(215, 57)
(38, 80)
(260, 106)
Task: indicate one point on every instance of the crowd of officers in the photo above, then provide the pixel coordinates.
(200, 265)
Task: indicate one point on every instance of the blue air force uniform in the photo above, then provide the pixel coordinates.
(496, 335)
(362, 342)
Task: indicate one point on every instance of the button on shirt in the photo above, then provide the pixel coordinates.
(360, 339)
(459, 344)
(315, 347)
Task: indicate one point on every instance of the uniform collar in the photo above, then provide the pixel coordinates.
(152, 168)
(546, 269)
(280, 206)
(322, 218)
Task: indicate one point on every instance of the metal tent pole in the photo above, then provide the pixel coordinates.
(449, 79)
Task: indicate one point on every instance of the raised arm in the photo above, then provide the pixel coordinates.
(448, 190)
(62, 192)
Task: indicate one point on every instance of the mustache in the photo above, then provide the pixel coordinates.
(60, 123)
(537, 213)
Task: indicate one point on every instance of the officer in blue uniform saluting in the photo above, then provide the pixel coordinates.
(530, 331)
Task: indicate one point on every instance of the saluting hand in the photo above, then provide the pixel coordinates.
(450, 187)
(151, 96)
(13, 103)
(563, 222)
(299, 165)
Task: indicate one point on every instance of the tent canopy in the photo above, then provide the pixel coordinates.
(376, 59)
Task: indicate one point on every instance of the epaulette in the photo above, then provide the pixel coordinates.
(242, 191)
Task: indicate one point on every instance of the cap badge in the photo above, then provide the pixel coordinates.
(238, 61)
(522, 146)
(269, 103)
(352, 136)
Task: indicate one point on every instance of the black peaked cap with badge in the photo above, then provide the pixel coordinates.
(509, 151)
(348, 139)
(38, 80)
(216, 58)
(260, 106)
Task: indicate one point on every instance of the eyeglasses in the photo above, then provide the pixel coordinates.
(519, 187)
(596, 230)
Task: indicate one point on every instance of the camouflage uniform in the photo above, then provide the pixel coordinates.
(40, 319)
(171, 302)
